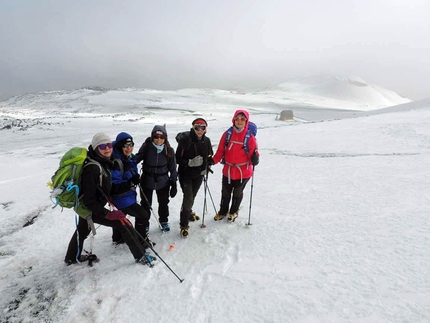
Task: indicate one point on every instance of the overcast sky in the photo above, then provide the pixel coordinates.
(173, 44)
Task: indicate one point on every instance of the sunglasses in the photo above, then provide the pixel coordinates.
(159, 137)
(199, 127)
(105, 146)
(239, 119)
(128, 145)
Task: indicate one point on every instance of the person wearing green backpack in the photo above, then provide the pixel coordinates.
(96, 183)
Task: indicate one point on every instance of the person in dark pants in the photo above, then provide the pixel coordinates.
(238, 165)
(158, 173)
(125, 178)
(191, 155)
(96, 182)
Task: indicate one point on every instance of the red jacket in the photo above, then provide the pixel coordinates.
(237, 163)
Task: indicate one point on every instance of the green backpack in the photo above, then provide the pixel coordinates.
(66, 181)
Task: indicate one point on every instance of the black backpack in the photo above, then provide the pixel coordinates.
(182, 135)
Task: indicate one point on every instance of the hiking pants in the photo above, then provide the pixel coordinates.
(236, 187)
(76, 243)
(140, 224)
(190, 187)
(163, 202)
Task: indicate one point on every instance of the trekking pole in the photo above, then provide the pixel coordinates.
(210, 195)
(171, 246)
(205, 205)
(250, 199)
(152, 249)
(127, 224)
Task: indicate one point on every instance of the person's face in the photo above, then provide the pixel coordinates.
(159, 139)
(199, 129)
(105, 149)
(240, 122)
(127, 149)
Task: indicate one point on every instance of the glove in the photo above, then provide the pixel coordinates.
(135, 179)
(196, 161)
(210, 161)
(173, 189)
(255, 159)
(115, 215)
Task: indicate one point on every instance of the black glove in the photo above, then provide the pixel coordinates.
(173, 189)
(210, 161)
(135, 179)
(255, 159)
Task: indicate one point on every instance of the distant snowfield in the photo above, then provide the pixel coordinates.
(340, 216)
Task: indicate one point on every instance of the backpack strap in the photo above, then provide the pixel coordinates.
(248, 135)
(245, 141)
(189, 141)
(102, 173)
(120, 164)
(229, 132)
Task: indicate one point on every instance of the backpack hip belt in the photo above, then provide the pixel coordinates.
(238, 167)
(154, 174)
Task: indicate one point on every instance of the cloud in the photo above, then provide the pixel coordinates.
(172, 45)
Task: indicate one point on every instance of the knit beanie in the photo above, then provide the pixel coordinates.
(159, 130)
(122, 139)
(100, 138)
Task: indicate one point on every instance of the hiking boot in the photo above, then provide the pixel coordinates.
(69, 262)
(193, 217)
(219, 217)
(147, 259)
(83, 258)
(92, 259)
(150, 242)
(184, 232)
(232, 217)
(165, 226)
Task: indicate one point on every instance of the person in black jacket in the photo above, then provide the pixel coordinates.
(159, 173)
(191, 155)
(95, 195)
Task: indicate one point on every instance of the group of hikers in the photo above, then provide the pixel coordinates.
(110, 176)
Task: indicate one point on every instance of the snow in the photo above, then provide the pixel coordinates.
(337, 92)
(340, 215)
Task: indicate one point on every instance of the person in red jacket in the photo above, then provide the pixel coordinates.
(238, 165)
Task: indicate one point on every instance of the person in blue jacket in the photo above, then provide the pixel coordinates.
(158, 173)
(125, 178)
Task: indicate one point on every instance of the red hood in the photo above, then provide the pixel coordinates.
(239, 112)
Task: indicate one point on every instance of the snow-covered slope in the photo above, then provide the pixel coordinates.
(351, 93)
(339, 220)
(315, 92)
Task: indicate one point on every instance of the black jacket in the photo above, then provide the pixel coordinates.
(93, 198)
(189, 147)
(158, 169)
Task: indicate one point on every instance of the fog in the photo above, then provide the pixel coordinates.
(52, 45)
